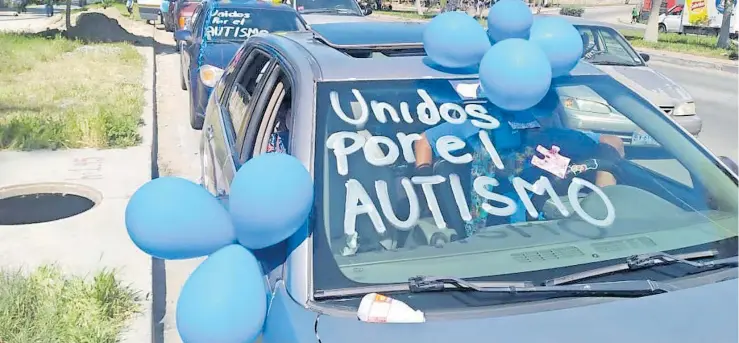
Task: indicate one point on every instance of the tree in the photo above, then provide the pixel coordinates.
(652, 32)
(419, 7)
(723, 36)
(68, 15)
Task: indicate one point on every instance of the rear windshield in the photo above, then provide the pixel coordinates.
(238, 24)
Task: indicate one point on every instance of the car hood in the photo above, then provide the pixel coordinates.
(219, 54)
(701, 314)
(333, 18)
(650, 84)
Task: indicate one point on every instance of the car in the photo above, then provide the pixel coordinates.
(349, 106)
(168, 15)
(217, 31)
(182, 13)
(608, 50)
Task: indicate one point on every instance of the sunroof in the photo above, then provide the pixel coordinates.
(370, 34)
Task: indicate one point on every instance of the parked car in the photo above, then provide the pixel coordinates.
(608, 50)
(183, 12)
(149, 10)
(168, 17)
(217, 31)
(331, 11)
(312, 91)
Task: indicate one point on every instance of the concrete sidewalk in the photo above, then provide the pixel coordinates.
(688, 60)
(96, 239)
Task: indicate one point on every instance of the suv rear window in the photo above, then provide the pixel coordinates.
(238, 24)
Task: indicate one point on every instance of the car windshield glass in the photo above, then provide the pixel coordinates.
(603, 45)
(337, 6)
(422, 177)
(238, 24)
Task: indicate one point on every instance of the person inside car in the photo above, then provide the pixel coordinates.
(516, 148)
(278, 140)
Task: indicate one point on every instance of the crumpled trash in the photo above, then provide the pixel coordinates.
(377, 308)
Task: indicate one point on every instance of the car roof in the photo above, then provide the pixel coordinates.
(250, 4)
(329, 47)
(577, 20)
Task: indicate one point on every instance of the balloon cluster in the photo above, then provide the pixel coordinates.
(517, 57)
(225, 298)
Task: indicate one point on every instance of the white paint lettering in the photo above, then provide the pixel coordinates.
(358, 202)
(447, 144)
(481, 185)
(338, 143)
(572, 192)
(427, 183)
(387, 208)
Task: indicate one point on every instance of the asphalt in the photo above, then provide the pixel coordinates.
(716, 99)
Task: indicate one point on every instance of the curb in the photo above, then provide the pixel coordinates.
(659, 56)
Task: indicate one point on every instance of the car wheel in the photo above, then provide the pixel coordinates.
(662, 28)
(183, 83)
(196, 122)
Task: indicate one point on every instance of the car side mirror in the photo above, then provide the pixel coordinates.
(368, 10)
(183, 35)
(730, 164)
(644, 56)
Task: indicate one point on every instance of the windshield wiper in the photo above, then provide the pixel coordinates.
(637, 262)
(427, 284)
(329, 10)
(611, 63)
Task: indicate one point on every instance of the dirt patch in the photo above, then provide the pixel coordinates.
(95, 27)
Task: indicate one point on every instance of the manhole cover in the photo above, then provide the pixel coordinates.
(45, 202)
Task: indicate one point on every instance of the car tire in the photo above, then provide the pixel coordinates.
(662, 28)
(183, 83)
(196, 122)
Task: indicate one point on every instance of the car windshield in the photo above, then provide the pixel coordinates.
(603, 45)
(238, 24)
(422, 177)
(328, 6)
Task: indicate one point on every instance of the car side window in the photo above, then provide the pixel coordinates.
(196, 18)
(242, 91)
(273, 100)
(274, 131)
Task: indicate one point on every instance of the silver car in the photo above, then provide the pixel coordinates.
(610, 52)
(357, 109)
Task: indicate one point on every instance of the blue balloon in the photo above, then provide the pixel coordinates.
(223, 300)
(515, 74)
(271, 197)
(560, 41)
(509, 19)
(455, 40)
(173, 218)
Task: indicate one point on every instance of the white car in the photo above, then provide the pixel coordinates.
(610, 52)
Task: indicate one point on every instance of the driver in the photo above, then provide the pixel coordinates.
(516, 148)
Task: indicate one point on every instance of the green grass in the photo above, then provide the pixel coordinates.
(57, 93)
(688, 44)
(48, 307)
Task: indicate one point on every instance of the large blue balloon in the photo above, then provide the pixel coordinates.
(515, 74)
(271, 197)
(560, 41)
(223, 300)
(455, 40)
(509, 19)
(173, 218)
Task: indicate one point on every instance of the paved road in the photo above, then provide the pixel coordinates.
(715, 95)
